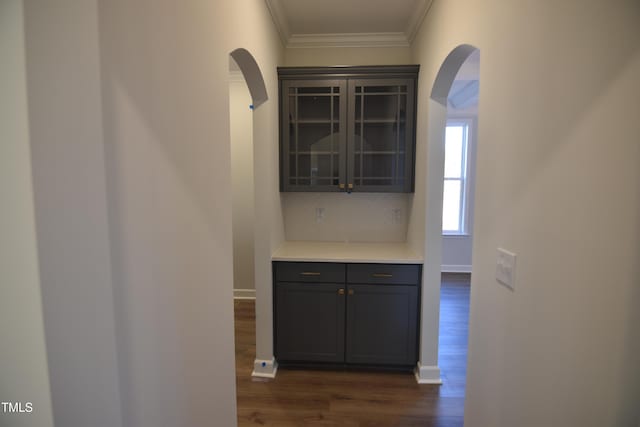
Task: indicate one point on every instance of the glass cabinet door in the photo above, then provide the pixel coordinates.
(314, 131)
(380, 135)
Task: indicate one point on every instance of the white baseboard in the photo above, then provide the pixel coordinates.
(244, 294)
(456, 268)
(265, 368)
(427, 374)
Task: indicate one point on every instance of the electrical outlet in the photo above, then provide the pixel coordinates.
(319, 214)
(396, 215)
(506, 268)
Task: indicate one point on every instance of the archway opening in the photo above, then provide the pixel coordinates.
(242, 182)
(458, 202)
(247, 121)
(453, 100)
(459, 167)
(250, 70)
(247, 92)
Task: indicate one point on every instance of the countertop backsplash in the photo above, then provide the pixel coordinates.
(342, 217)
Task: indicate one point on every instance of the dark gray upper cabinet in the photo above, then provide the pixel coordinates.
(347, 128)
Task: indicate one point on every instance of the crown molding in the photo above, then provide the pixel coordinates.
(348, 40)
(279, 19)
(417, 17)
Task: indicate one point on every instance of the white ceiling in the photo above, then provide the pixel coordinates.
(327, 23)
(359, 23)
(464, 91)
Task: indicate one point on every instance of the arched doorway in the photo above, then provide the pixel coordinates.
(428, 370)
(242, 183)
(247, 92)
(252, 76)
(258, 123)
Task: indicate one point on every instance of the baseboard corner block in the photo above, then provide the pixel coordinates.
(427, 374)
(265, 368)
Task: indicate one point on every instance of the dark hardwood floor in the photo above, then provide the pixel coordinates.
(355, 398)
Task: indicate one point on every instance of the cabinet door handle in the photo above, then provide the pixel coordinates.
(340, 291)
(382, 275)
(309, 273)
(351, 292)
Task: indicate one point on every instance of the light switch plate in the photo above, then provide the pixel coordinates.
(506, 268)
(319, 214)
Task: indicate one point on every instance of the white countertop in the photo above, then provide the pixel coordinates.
(392, 253)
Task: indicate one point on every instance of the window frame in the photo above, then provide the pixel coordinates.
(464, 225)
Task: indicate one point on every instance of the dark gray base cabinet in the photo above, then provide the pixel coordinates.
(382, 324)
(310, 321)
(361, 314)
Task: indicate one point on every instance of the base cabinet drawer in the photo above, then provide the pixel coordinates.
(362, 322)
(384, 274)
(316, 272)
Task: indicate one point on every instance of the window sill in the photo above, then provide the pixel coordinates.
(456, 235)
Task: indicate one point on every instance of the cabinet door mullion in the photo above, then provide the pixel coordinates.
(344, 132)
(351, 132)
(374, 130)
(323, 128)
(377, 147)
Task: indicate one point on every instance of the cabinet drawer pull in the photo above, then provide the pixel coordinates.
(351, 292)
(310, 273)
(340, 291)
(382, 275)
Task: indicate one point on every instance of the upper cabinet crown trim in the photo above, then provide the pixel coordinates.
(348, 40)
(369, 33)
(350, 71)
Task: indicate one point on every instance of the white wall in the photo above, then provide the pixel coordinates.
(165, 89)
(557, 183)
(318, 56)
(159, 260)
(243, 206)
(63, 83)
(24, 375)
(456, 253)
(355, 217)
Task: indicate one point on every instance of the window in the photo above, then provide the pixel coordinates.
(456, 170)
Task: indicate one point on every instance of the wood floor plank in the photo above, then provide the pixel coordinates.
(344, 398)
